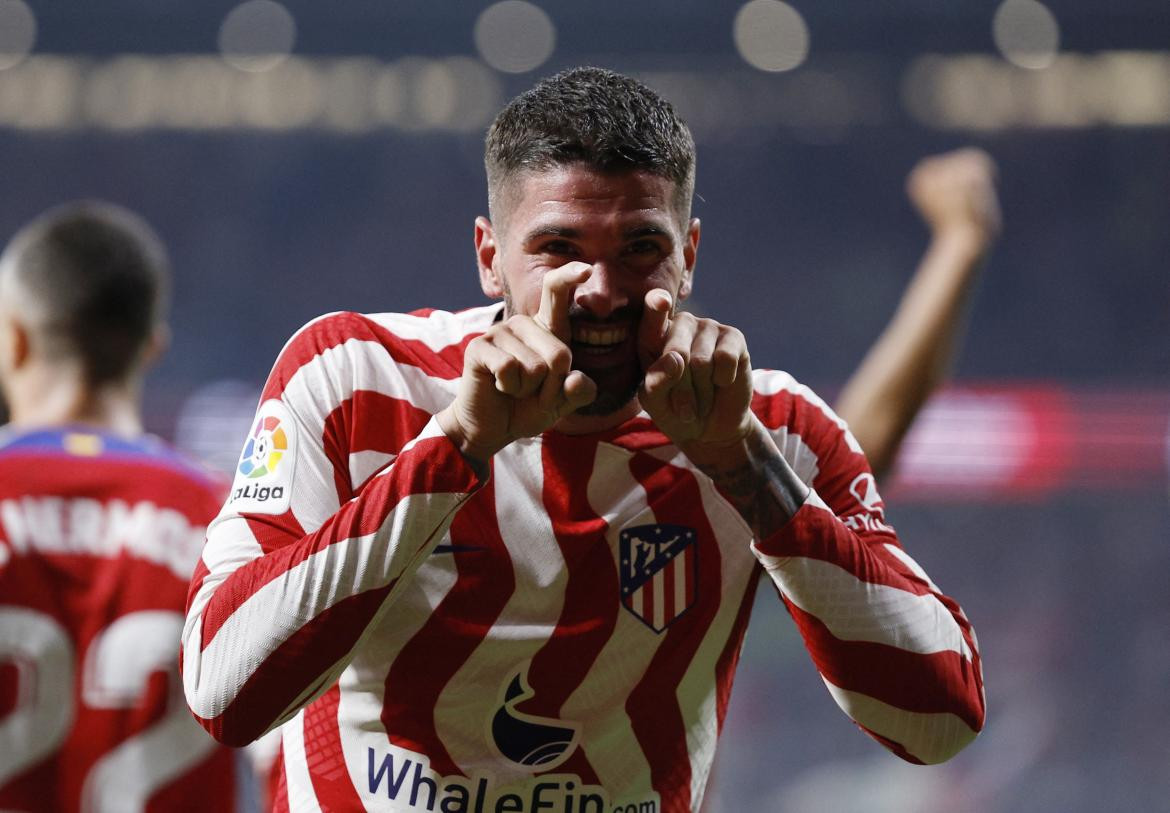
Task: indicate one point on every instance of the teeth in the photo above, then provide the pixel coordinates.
(599, 337)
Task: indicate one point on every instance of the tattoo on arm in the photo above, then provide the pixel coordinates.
(763, 488)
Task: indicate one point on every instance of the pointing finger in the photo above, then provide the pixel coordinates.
(653, 328)
(556, 296)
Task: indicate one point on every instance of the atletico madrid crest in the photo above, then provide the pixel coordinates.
(659, 572)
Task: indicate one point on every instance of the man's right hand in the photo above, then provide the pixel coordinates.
(517, 380)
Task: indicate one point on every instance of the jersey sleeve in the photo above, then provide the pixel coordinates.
(344, 486)
(897, 655)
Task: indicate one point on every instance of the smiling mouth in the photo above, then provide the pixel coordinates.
(596, 340)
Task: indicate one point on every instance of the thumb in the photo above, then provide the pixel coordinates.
(580, 390)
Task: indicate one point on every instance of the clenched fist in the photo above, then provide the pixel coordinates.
(698, 383)
(517, 380)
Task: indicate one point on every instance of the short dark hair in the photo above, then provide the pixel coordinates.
(594, 116)
(94, 277)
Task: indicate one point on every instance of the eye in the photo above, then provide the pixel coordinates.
(561, 248)
(642, 249)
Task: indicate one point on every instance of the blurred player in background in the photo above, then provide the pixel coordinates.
(100, 526)
(955, 194)
(503, 559)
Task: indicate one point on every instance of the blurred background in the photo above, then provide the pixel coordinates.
(305, 157)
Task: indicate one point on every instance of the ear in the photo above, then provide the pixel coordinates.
(15, 344)
(690, 254)
(157, 345)
(485, 256)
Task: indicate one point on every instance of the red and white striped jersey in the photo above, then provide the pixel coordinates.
(559, 637)
(98, 536)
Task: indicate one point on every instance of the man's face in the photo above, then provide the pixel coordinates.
(626, 226)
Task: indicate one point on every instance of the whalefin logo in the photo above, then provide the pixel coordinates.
(528, 740)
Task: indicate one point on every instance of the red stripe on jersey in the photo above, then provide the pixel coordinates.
(485, 581)
(636, 435)
(273, 532)
(336, 329)
(296, 663)
(653, 704)
(201, 572)
(669, 586)
(432, 466)
(386, 425)
(729, 658)
(324, 756)
(280, 792)
(590, 610)
(934, 683)
(817, 534)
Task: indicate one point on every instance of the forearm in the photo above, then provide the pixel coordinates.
(897, 655)
(265, 632)
(912, 355)
(754, 477)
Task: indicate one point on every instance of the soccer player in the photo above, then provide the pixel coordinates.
(502, 560)
(955, 194)
(100, 526)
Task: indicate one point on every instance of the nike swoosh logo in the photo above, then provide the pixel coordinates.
(457, 548)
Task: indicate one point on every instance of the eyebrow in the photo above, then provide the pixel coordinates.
(552, 231)
(569, 233)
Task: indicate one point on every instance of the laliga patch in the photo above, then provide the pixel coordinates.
(264, 475)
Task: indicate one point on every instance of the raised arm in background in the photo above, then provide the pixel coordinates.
(955, 194)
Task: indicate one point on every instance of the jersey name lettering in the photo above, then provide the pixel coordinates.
(84, 526)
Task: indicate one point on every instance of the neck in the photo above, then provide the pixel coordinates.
(53, 398)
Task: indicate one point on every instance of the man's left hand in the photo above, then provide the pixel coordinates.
(698, 382)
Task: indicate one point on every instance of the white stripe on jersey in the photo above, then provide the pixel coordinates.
(364, 463)
(234, 547)
(517, 633)
(931, 737)
(799, 456)
(301, 797)
(854, 610)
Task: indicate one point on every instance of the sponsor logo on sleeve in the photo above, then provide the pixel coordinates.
(864, 490)
(872, 516)
(264, 475)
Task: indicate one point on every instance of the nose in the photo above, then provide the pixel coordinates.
(602, 293)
